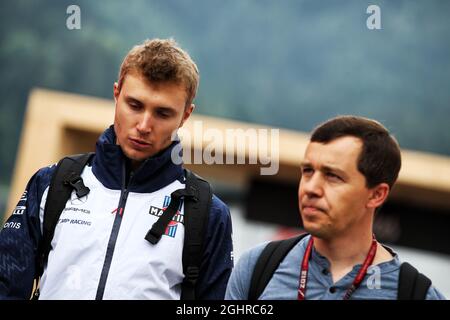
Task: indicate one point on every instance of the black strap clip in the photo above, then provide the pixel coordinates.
(77, 183)
(153, 236)
(157, 230)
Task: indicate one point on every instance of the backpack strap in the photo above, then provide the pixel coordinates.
(159, 227)
(412, 285)
(197, 196)
(268, 262)
(66, 178)
(195, 223)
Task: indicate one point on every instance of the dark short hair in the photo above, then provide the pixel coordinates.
(380, 158)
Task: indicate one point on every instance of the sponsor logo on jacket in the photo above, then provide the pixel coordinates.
(177, 218)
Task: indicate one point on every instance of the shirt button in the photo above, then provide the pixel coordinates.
(325, 272)
(332, 289)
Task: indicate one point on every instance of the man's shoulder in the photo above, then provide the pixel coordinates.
(218, 204)
(219, 212)
(434, 294)
(43, 176)
(250, 256)
(46, 171)
(218, 207)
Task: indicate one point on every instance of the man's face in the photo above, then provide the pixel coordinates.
(333, 195)
(147, 114)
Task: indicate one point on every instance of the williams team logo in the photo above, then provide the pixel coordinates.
(177, 218)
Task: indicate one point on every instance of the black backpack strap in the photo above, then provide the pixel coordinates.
(66, 178)
(412, 285)
(268, 262)
(158, 228)
(196, 216)
(197, 196)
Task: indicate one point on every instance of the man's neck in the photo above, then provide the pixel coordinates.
(346, 251)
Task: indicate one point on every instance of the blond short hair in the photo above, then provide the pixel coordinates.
(162, 60)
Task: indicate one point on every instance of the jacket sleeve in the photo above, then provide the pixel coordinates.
(19, 240)
(218, 255)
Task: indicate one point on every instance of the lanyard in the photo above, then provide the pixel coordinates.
(356, 282)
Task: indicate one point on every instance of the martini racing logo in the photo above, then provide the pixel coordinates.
(177, 218)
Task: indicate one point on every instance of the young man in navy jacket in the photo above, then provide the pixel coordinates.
(99, 250)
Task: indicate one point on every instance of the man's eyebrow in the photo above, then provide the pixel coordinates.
(305, 164)
(333, 169)
(166, 108)
(131, 99)
(327, 168)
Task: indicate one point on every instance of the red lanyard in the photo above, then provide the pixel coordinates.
(356, 282)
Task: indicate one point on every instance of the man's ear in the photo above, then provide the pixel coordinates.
(116, 91)
(378, 195)
(187, 114)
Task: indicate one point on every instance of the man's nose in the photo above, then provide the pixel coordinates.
(313, 186)
(144, 125)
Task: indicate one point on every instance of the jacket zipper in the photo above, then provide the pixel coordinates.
(113, 237)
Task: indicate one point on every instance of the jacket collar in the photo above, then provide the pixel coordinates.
(110, 166)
